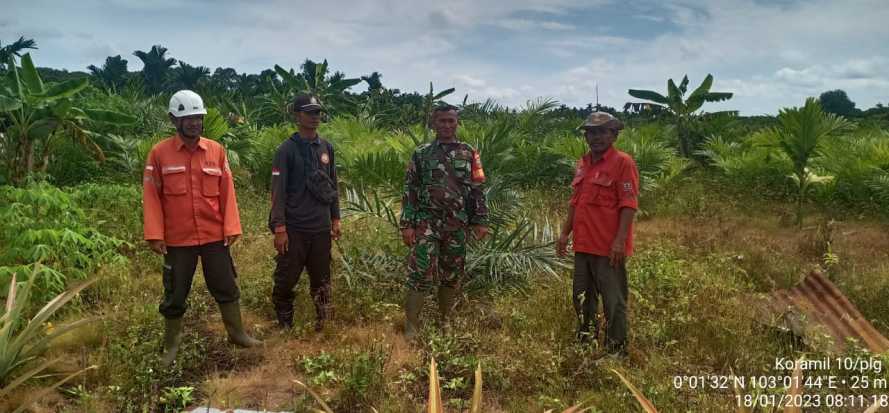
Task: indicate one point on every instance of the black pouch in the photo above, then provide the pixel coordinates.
(318, 183)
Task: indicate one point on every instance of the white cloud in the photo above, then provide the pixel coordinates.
(770, 56)
(808, 77)
(524, 25)
(550, 25)
(470, 81)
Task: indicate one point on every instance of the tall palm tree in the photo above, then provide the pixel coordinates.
(801, 136)
(374, 84)
(683, 109)
(156, 69)
(187, 76)
(14, 49)
(224, 79)
(112, 74)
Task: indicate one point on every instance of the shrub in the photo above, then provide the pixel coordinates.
(258, 161)
(44, 224)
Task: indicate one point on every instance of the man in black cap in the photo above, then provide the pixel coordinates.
(305, 214)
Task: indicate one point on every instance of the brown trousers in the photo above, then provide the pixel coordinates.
(594, 276)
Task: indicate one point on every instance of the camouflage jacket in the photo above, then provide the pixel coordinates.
(443, 185)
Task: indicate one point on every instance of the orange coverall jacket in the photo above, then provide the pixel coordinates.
(188, 197)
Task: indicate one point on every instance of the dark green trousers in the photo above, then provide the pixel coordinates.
(180, 264)
(593, 277)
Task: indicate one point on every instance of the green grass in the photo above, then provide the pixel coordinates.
(697, 269)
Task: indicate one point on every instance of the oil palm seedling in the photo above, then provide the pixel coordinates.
(801, 135)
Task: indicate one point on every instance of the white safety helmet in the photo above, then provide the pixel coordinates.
(186, 103)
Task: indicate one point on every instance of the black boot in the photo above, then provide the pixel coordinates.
(447, 299)
(285, 320)
(413, 305)
(323, 307)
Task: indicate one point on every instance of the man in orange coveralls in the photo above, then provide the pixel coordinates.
(603, 204)
(190, 211)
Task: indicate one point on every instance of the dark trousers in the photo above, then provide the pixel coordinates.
(594, 276)
(312, 252)
(179, 267)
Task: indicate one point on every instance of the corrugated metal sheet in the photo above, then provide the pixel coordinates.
(817, 300)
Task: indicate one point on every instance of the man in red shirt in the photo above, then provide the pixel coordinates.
(603, 203)
(190, 211)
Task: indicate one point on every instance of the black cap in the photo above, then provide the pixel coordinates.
(306, 103)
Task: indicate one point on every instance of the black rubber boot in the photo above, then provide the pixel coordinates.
(323, 306)
(412, 307)
(285, 320)
(172, 338)
(231, 318)
(447, 299)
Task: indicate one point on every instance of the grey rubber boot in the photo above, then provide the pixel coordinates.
(172, 338)
(231, 318)
(412, 307)
(447, 298)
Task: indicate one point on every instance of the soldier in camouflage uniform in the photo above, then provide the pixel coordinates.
(443, 199)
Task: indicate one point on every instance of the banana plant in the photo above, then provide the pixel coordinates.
(683, 109)
(35, 116)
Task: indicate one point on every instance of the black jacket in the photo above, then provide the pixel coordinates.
(292, 205)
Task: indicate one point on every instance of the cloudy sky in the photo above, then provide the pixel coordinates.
(771, 54)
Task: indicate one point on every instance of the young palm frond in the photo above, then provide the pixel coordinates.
(510, 256)
(879, 184)
(853, 160)
(503, 202)
(363, 203)
(533, 118)
(654, 159)
(494, 140)
(381, 170)
(801, 136)
(716, 150)
(570, 145)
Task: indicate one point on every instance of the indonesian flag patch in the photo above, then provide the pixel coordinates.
(276, 172)
(478, 173)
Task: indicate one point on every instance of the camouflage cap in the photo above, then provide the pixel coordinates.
(602, 119)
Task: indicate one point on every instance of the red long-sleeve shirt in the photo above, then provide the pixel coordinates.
(188, 196)
(601, 190)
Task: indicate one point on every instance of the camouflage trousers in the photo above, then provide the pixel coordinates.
(437, 257)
